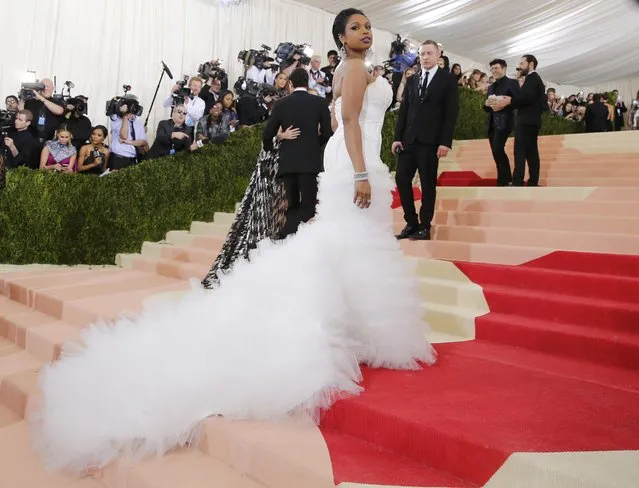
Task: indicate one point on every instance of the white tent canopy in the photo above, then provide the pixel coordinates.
(100, 45)
(578, 42)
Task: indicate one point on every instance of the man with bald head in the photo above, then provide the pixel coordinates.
(47, 113)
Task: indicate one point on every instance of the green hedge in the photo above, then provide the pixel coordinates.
(71, 219)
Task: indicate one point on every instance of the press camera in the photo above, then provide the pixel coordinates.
(244, 87)
(286, 51)
(257, 57)
(114, 106)
(212, 69)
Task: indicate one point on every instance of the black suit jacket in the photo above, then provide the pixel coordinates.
(307, 113)
(432, 119)
(163, 142)
(503, 120)
(531, 101)
(596, 117)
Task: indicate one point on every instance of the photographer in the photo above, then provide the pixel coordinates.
(211, 93)
(317, 78)
(262, 74)
(213, 129)
(94, 157)
(78, 123)
(12, 102)
(128, 137)
(46, 112)
(21, 147)
(329, 71)
(172, 135)
(192, 102)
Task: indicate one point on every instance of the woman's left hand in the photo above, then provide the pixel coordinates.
(362, 196)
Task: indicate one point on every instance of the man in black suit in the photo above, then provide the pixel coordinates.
(172, 135)
(300, 160)
(530, 102)
(423, 134)
(596, 115)
(500, 123)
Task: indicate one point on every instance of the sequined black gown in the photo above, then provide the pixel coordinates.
(261, 215)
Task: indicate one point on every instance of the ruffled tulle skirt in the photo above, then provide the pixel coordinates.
(284, 332)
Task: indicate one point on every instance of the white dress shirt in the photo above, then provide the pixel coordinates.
(431, 73)
(125, 150)
(256, 74)
(313, 82)
(194, 109)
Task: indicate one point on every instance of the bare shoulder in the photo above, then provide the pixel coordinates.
(352, 69)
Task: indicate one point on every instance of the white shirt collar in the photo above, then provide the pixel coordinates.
(431, 71)
(300, 89)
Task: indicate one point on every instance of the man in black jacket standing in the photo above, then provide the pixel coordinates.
(300, 160)
(531, 102)
(423, 134)
(500, 123)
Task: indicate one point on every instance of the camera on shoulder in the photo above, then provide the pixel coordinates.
(26, 90)
(115, 105)
(182, 92)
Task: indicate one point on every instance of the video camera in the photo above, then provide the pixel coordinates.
(257, 57)
(244, 87)
(398, 46)
(79, 104)
(286, 51)
(7, 122)
(26, 92)
(183, 92)
(212, 69)
(114, 105)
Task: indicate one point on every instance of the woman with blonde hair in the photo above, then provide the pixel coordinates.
(59, 154)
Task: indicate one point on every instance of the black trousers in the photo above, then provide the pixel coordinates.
(526, 149)
(422, 158)
(301, 194)
(497, 141)
(121, 162)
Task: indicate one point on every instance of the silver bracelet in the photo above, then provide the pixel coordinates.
(361, 176)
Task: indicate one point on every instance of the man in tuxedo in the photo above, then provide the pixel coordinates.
(423, 134)
(596, 115)
(500, 123)
(530, 102)
(300, 160)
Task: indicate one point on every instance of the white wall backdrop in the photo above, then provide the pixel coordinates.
(102, 44)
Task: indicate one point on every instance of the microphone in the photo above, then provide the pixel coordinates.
(167, 70)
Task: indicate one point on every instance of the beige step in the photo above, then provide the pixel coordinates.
(451, 320)
(209, 228)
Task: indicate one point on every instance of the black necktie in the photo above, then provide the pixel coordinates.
(132, 131)
(422, 88)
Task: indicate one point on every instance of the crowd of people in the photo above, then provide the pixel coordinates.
(54, 135)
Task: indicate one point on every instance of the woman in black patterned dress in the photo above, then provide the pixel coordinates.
(261, 213)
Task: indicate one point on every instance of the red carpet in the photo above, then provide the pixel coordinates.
(555, 367)
(464, 178)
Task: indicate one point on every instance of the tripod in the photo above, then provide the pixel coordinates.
(165, 69)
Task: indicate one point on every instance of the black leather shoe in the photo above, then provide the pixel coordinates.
(422, 235)
(408, 231)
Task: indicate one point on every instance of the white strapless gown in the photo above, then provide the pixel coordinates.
(283, 333)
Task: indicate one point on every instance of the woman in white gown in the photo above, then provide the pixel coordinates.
(283, 333)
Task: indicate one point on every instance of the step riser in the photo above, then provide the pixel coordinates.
(418, 443)
(582, 313)
(585, 348)
(608, 288)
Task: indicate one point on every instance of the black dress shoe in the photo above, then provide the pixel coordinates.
(422, 235)
(408, 231)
